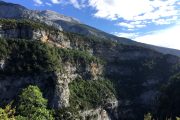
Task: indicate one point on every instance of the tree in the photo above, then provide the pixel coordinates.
(3, 115)
(32, 105)
(7, 113)
(170, 99)
(177, 118)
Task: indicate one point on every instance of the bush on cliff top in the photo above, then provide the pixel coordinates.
(13, 23)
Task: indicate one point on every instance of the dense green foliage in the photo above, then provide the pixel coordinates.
(23, 56)
(90, 94)
(28, 56)
(7, 113)
(78, 56)
(69, 113)
(4, 51)
(3, 115)
(32, 105)
(140, 70)
(12, 23)
(170, 99)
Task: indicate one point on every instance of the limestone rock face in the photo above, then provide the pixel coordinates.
(2, 64)
(95, 70)
(70, 73)
(61, 96)
(95, 114)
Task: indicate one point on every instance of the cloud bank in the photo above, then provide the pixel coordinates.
(55, 1)
(38, 2)
(131, 14)
(137, 13)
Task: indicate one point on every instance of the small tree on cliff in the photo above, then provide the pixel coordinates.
(32, 105)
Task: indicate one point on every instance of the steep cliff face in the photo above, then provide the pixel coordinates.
(26, 62)
(137, 73)
(70, 73)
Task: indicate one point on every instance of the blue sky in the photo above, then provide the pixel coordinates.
(154, 22)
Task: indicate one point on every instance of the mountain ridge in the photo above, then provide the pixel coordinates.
(70, 24)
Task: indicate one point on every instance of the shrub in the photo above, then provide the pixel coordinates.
(7, 113)
(23, 56)
(169, 100)
(32, 105)
(3, 115)
(90, 94)
(68, 113)
(13, 23)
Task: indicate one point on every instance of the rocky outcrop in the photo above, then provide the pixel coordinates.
(70, 73)
(95, 114)
(2, 64)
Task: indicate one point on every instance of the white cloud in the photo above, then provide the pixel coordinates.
(49, 4)
(126, 35)
(167, 38)
(56, 1)
(78, 3)
(133, 9)
(163, 21)
(132, 25)
(75, 3)
(123, 24)
(158, 12)
(113, 9)
(38, 2)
